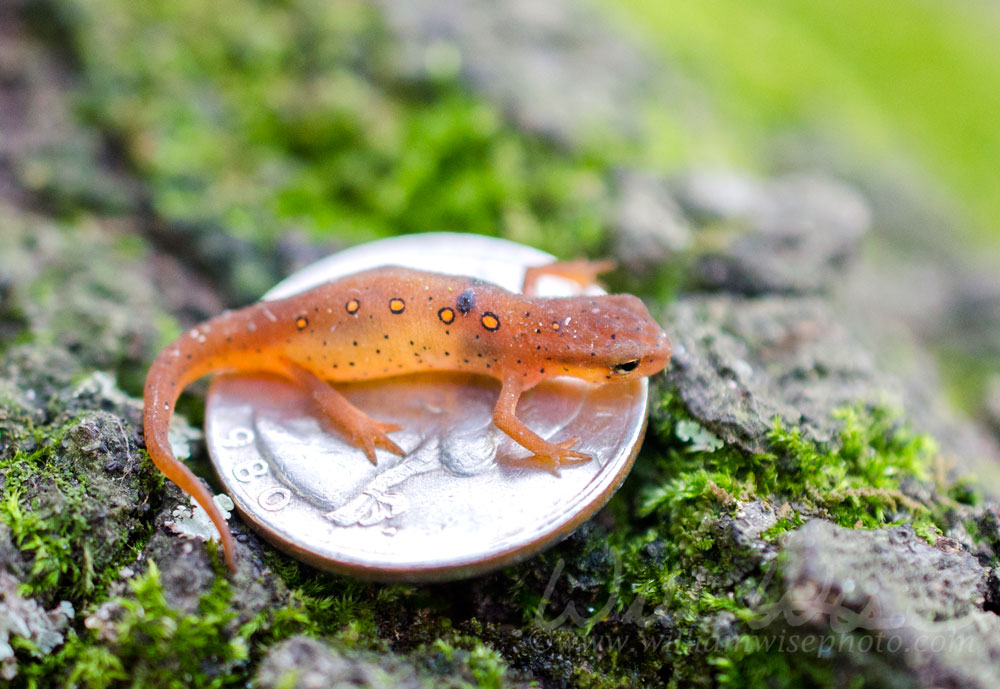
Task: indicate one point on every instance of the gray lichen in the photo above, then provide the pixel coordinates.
(27, 625)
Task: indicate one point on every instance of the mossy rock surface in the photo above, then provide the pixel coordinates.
(791, 521)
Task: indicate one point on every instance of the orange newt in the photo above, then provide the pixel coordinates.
(392, 321)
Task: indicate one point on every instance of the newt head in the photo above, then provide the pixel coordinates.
(602, 339)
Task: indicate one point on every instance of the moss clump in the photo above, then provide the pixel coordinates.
(863, 479)
(141, 641)
(260, 116)
(701, 586)
(320, 605)
(467, 658)
(76, 528)
(674, 597)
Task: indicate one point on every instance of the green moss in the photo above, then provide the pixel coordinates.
(855, 481)
(209, 101)
(149, 644)
(329, 606)
(754, 663)
(63, 525)
(467, 658)
(698, 591)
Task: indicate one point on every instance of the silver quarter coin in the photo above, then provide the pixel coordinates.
(464, 499)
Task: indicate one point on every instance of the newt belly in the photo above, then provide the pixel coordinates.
(393, 321)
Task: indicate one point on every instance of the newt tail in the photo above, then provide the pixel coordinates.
(164, 384)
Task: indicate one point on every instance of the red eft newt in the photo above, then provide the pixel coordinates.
(392, 321)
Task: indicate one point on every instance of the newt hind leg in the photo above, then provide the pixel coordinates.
(363, 431)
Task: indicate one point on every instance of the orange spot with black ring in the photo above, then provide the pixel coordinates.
(555, 325)
(301, 322)
(352, 306)
(397, 305)
(490, 321)
(447, 315)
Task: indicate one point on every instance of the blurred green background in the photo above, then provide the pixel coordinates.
(208, 99)
(898, 82)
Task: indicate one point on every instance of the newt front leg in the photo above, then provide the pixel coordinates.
(505, 418)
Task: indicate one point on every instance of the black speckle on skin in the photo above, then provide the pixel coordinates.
(466, 301)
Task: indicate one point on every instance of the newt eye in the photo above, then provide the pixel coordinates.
(625, 367)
